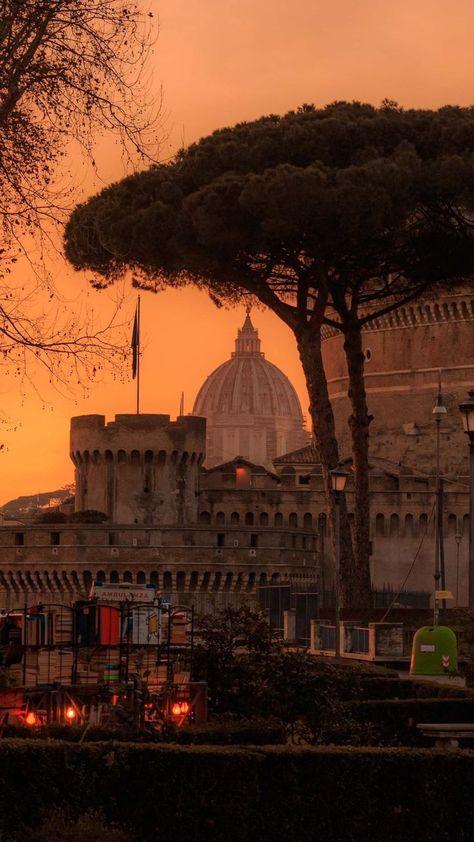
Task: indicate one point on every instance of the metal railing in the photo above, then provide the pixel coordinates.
(359, 640)
(327, 637)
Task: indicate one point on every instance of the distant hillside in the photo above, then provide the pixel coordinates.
(28, 506)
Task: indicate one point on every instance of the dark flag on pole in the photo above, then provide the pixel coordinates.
(135, 341)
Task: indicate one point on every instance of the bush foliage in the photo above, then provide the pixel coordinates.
(242, 794)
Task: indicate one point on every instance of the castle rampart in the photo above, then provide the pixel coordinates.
(141, 469)
(407, 352)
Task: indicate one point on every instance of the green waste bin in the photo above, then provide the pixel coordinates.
(434, 651)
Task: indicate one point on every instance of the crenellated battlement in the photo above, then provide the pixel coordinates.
(138, 468)
(458, 307)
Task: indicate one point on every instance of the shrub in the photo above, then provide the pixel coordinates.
(394, 721)
(60, 827)
(88, 516)
(242, 794)
(51, 516)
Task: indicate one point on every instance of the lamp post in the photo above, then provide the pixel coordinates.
(439, 411)
(467, 412)
(338, 481)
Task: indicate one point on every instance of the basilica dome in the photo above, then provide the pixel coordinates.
(251, 407)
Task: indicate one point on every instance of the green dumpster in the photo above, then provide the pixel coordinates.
(434, 651)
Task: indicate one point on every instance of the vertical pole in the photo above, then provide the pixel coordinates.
(458, 538)
(471, 521)
(191, 658)
(169, 673)
(336, 573)
(437, 573)
(138, 356)
(25, 638)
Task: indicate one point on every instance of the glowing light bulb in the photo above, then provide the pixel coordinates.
(70, 713)
(176, 709)
(31, 718)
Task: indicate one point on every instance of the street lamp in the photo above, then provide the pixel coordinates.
(339, 477)
(467, 412)
(439, 412)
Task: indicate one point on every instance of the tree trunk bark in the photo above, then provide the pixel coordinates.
(359, 422)
(309, 348)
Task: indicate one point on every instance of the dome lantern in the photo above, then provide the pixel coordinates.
(247, 341)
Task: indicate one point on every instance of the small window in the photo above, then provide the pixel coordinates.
(55, 539)
(221, 539)
(254, 541)
(19, 539)
(111, 539)
(249, 519)
(304, 479)
(293, 542)
(368, 355)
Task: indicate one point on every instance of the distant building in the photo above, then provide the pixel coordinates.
(211, 535)
(408, 352)
(252, 409)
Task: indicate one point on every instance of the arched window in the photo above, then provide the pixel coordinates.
(127, 577)
(220, 518)
(379, 525)
(308, 520)
(293, 520)
(141, 577)
(249, 518)
(114, 577)
(205, 517)
(100, 576)
(409, 526)
(452, 524)
(394, 525)
(263, 519)
(234, 518)
(278, 520)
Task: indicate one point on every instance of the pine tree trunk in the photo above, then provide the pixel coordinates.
(309, 348)
(359, 423)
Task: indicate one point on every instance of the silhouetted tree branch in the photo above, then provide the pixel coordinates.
(69, 71)
(328, 217)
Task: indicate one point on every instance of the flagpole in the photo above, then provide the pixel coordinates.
(138, 355)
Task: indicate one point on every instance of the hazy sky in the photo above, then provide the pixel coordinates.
(221, 62)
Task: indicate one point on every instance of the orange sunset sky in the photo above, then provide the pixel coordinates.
(221, 62)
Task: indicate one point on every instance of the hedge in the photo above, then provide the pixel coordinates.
(393, 721)
(229, 732)
(386, 687)
(243, 794)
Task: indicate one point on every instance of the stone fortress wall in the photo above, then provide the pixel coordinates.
(139, 468)
(212, 536)
(407, 352)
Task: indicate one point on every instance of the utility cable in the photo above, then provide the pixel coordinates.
(415, 558)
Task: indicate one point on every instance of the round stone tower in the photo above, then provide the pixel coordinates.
(408, 353)
(252, 410)
(141, 469)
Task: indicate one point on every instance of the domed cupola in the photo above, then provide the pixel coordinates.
(252, 409)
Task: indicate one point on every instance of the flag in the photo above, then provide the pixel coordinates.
(135, 344)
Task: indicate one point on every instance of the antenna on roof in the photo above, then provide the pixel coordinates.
(181, 404)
